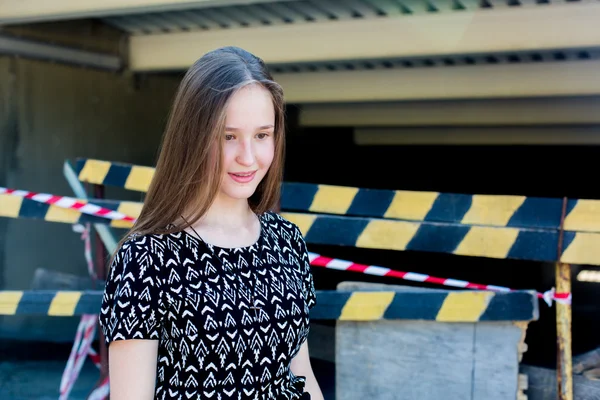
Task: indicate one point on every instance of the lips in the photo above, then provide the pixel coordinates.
(242, 177)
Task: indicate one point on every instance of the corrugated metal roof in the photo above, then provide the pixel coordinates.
(302, 12)
(444, 61)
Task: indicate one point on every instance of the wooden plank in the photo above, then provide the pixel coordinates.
(425, 360)
(496, 361)
(417, 359)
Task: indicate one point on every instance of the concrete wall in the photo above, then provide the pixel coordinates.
(50, 113)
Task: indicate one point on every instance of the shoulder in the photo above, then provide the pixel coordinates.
(151, 243)
(286, 232)
(144, 250)
(281, 225)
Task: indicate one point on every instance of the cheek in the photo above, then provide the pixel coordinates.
(228, 157)
(267, 154)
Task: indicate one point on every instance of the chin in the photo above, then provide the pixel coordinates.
(240, 193)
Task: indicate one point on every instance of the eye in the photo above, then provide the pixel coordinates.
(263, 135)
(228, 137)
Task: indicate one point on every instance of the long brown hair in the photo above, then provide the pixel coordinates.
(188, 171)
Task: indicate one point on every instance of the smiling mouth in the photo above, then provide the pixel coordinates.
(242, 177)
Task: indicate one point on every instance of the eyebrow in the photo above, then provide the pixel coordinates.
(260, 128)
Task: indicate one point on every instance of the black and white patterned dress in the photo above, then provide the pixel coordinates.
(195, 299)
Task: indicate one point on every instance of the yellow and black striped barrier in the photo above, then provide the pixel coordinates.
(441, 306)
(465, 209)
(128, 176)
(478, 241)
(49, 302)
(374, 233)
(19, 207)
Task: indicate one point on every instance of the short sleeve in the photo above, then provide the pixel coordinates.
(307, 277)
(132, 303)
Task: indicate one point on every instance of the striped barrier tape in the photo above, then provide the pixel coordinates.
(373, 233)
(83, 341)
(102, 391)
(95, 357)
(343, 265)
(460, 306)
(69, 203)
(82, 345)
(86, 231)
(14, 206)
(79, 352)
(491, 210)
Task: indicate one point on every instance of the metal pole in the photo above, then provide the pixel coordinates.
(80, 191)
(40, 50)
(564, 365)
(564, 369)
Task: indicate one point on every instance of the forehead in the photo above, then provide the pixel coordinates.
(250, 107)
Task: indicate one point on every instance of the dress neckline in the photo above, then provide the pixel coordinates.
(238, 248)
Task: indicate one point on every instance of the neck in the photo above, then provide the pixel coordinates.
(227, 213)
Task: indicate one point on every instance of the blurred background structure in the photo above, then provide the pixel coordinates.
(459, 96)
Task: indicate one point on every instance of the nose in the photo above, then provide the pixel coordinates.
(245, 155)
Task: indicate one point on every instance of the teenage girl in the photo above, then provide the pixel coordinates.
(208, 295)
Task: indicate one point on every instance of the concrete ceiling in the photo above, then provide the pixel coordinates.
(328, 51)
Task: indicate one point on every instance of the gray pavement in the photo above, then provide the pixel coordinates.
(40, 380)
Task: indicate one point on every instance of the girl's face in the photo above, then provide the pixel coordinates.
(249, 143)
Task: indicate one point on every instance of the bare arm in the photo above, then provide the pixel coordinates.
(132, 369)
(300, 366)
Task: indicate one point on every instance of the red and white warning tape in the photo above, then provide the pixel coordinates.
(79, 352)
(86, 232)
(95, 357)
(343, 265)
(69, 203)
(82, 346)
(102, 391)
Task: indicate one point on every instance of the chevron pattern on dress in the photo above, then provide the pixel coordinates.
(195, 299)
